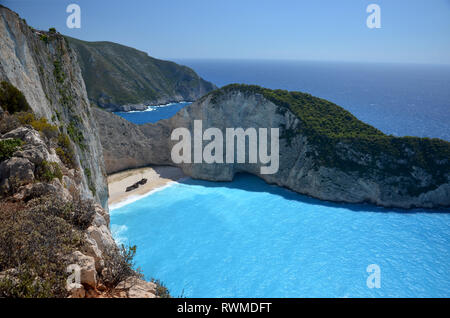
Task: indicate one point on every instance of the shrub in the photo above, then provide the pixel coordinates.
(8, 147)
(25, 118)
(88, 174)
(44, 38)
(47, 171)
(161, 290)
(52, 30)
(58, 72)
(48, 130)
(76, 135)
(79, 213)
(22, 283)
(119, 262)
(8, 122)
(12, 99)
(33, 242)
(65, 151)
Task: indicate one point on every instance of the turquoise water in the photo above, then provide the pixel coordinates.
(153, 113)
(249, 239)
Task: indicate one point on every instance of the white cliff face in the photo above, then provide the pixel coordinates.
(47, 73)
(18, 65)
(298, 169)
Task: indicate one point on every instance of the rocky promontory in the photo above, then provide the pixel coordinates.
(121, 78)
(325, 152)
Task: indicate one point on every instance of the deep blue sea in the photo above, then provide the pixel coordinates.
(398, 99)
(249, 239)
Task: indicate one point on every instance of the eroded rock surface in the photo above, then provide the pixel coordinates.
(299, 170)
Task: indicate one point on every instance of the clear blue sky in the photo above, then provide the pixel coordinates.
(416, 31)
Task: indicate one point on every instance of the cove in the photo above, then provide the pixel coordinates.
(249, 239)
(153, 114)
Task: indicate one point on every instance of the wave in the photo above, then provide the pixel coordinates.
(155, 107)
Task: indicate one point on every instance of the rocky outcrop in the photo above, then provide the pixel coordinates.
(34, 170)
(19, 174)
(300, 168)
(45, 69)
(88, 273)
(124, 145)
(35, 176)
(120, 78)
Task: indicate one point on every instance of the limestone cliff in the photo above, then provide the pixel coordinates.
(53, 191)
(331, 156)
(45, 69)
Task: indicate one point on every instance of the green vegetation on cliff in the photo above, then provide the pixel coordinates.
(341, 140)
(12, 99)
(117, 75)
(33, 237)
(64, 149)
(8, 147)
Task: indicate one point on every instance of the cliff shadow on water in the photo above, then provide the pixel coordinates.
(251, 183)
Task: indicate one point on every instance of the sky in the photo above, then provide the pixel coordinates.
(412, 31)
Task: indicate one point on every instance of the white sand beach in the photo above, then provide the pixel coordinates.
(157, 177)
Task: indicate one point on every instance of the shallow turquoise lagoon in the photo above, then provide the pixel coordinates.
(249, 239)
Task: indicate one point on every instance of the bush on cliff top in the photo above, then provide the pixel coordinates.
(12, 99)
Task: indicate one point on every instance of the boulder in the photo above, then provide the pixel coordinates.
(138, 288)
(15, 172)
(98, 220)
(90, 248)
(102, 236)
(76, 291)
(142, 289)
(35, 148)
(104, 213)
(26, 134)
(35, 190)
(88, 274)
